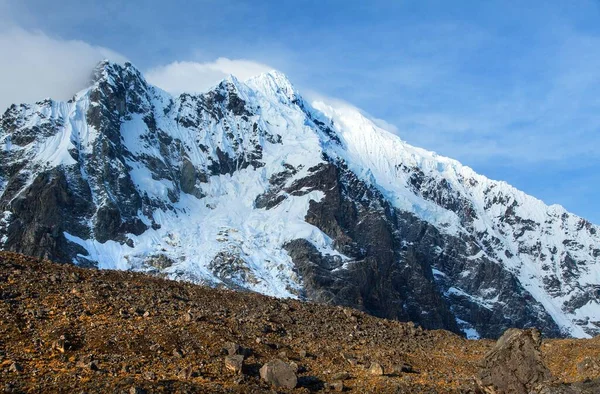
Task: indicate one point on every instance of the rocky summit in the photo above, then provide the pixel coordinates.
(68, 329)
(251, 187)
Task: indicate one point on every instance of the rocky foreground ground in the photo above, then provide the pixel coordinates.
(65, 329)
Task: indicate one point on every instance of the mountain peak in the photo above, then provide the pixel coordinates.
(109, 71)
(240, 186)
(232, 81)
(274, 83)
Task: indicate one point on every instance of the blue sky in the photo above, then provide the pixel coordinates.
(510, 88)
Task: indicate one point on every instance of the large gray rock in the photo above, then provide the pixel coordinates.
(515, 364)
(279, 374)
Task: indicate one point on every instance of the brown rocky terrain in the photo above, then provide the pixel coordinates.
(66, 329)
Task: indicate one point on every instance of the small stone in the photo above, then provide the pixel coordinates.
(239, 379)
(60, 344)
(136, 390)
(350, 358)
(302, 353)
(185, 373)
(279, 374)
(337, 386)
(14, 367)
(146, 314)
(403, 368)
(149, 375)
(155, 347)
(177, 353)
(376, 369)
(234, 363)
(341, 376)
(187, 317)
(232, 349)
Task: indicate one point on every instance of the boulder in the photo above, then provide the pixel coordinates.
(279, 374)
(515, 364)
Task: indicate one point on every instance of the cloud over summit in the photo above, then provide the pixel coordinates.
(36, 66)
(194, 77)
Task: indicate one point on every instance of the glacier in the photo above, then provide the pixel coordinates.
(175, 186)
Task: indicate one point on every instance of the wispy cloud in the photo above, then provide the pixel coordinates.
(179, 77)
(35, 66)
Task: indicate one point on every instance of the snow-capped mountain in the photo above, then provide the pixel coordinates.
(250, 186)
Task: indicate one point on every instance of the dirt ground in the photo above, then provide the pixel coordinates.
(72, 330)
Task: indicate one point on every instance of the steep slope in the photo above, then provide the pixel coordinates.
(251, 187)
(66, 329)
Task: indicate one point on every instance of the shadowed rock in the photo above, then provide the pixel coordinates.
(515, 364)
(279, 374)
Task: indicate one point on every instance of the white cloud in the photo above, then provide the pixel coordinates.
(193, 77)
(315, 97)
(384, 124)
(35, 66)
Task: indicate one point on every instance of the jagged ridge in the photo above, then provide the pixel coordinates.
(250, 186)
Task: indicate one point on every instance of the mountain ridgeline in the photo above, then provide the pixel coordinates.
(251, 187)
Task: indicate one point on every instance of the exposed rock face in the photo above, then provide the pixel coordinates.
(366, 229)
(250, 187)
(42, 212)
(515, 364)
